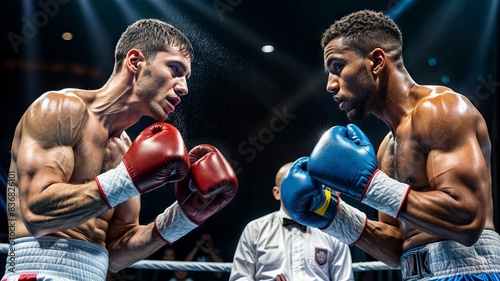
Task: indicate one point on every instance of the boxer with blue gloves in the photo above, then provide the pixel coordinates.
(345, 160)
(430, 179)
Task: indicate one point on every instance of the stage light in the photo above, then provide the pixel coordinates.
(67, 36)
(267, 48)
(432, 61)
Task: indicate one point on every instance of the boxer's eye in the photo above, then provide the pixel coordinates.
(336, 68)
(175, 69)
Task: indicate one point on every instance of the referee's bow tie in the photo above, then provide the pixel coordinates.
(291, 223)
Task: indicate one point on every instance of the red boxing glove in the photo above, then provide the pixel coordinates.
(157, 156)
(209, 186)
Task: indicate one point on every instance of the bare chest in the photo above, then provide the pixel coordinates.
(94, 156)
(405, 160)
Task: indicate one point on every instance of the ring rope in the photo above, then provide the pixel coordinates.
(218, 266)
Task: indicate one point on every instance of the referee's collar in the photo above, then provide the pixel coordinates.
(283, 215)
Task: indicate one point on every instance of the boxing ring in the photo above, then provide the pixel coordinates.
(218, 266)
(226, 266)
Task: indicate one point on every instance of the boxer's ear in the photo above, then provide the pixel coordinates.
(133, 59)
(377, 56)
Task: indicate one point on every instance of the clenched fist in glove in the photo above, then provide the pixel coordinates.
(311, 203)
(306, 200)
(345, 160)
(210, 184)
(157, 156)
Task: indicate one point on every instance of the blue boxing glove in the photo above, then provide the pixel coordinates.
(307, 202)
(311, 203)
(345, 160)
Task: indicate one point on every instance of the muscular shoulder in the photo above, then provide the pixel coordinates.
(56, 117)
(443, 117)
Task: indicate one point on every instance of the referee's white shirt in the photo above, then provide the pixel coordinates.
(266, 248)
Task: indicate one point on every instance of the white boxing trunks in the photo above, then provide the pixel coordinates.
(447, 260)
(55, 258)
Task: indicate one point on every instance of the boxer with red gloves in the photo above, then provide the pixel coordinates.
(210, 184)
(75, 174)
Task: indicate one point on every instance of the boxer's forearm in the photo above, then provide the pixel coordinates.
(448, 216)
(60, 207)
(136, 244)
(382, 241)
(129, 242)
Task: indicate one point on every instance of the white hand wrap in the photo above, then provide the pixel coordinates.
(386, 194)
(116, 186)
(172, 224)
(348, 224)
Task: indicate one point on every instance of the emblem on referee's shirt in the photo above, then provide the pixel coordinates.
(321, 256)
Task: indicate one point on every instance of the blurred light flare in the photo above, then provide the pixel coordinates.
(267, 49)
(67, 36)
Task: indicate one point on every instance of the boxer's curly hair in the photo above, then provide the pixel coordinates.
(364, 31)
(151, 36)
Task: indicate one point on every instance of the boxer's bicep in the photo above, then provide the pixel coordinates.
(455, 162)
(45, 160)
(45, 154)
(461, 174)
(456, 170)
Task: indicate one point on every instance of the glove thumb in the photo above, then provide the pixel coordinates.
(355, 134)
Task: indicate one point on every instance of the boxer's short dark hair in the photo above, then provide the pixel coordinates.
(364, 31)
(151, 36)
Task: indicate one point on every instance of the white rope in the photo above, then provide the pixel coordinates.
(371, 265)
(217, 266)
(183, 265)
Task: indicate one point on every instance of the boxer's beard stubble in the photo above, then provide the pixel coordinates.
(364, 90)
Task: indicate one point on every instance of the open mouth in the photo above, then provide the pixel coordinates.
(173, 100)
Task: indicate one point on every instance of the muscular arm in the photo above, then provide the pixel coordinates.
(457, 203)
(127, 241)
(45, 160)
(382, 240)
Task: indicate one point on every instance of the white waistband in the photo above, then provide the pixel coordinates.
(62, 257)
(449, 258)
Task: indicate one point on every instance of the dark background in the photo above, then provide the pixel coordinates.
(261, 110)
